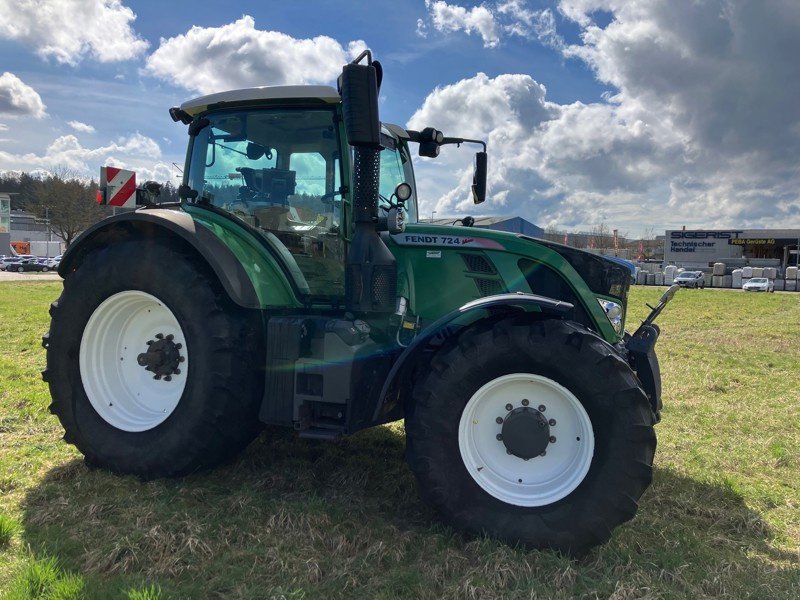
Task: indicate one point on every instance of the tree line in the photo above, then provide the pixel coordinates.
(62, 198)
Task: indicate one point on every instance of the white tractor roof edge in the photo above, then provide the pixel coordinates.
(277, 92)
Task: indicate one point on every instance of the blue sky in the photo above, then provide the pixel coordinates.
(638, 114)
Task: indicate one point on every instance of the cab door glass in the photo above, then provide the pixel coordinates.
(278, 171)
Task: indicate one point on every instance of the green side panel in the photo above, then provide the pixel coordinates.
(269, 281)
(435, 276)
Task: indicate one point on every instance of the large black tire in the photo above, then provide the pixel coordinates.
(603, 383)
(217, 414)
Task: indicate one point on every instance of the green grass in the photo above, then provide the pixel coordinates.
(299, 520)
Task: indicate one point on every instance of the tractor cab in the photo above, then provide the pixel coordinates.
(277, 158)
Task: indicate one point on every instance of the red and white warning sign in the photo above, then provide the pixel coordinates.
(117, 187)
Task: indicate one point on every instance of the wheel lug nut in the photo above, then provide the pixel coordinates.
(169, 378)
(178, 346)
(156, 376)
(499, 436)
(160, 336)
(170, 337)
(544, 452)
(181, 358)
(509, 407)
(552, 422)
(552, 439)
(508, 451)
(177, 371)
(525, 402)
(498, 420)
(542, 408)
(149, 342)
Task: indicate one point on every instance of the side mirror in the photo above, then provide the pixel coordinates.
(479, 178)
(358, 86)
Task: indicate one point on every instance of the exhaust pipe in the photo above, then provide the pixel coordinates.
(371, 269)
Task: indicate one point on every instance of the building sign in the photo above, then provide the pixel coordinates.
(701, 246)
(761, 241)
(707, 246)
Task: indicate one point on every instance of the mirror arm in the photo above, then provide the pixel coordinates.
(459, 141)
(416, 136)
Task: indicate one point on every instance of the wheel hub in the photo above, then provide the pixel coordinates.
(162, 357)
(525, 432)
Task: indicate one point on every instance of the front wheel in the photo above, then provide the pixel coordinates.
(535, 433)
(153, 371)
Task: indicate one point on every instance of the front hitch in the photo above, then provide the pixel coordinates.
(642, 354)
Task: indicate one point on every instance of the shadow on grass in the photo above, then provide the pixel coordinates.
(290, 516)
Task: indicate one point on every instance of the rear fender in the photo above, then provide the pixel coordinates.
(166, 224)
(389, 406)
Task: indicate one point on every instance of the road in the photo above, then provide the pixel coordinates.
(13, 276)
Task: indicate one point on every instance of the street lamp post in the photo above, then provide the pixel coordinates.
(433, 212)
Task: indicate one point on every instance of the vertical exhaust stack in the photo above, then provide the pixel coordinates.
(371, 275)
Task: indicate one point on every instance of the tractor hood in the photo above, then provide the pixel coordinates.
(606, 276)
(603, 276)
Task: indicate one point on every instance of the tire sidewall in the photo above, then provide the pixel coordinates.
(596, 387)
(139, 452)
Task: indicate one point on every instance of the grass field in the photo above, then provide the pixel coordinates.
(298, 520)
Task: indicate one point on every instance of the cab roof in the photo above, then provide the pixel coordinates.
(315, 93)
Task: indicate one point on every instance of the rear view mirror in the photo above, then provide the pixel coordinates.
(358, 86)
(479, 178)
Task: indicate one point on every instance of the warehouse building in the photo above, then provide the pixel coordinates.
(5, 223)
(698, 248)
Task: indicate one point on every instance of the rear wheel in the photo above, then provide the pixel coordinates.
(153, 371)
(536, 433)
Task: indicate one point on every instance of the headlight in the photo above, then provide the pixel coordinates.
(613, 312)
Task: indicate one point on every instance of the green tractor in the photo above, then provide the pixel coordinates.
(294, 285)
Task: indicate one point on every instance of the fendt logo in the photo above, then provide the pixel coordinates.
(705, 235)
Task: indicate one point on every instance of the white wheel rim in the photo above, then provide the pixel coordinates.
(541, 480)
(122, 392)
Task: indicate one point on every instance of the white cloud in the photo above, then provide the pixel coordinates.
(3, 127)
(451, 17)
(237, 55)
(702, 127)
(135, 151)
(78, 126)
(69, 30)
(492, 21)
(19, 99)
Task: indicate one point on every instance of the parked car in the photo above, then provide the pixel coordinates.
(759, 284)
(11, 260)
(691, 279)
(27, 264)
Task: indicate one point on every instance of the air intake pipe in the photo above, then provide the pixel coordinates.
(371, 270)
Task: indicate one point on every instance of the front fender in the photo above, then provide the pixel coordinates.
(166, 223)
(388, 404)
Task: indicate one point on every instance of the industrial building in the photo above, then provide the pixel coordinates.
(698, 248)
(5, 223)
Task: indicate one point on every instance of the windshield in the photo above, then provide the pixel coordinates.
(758, 280)
(395, 169)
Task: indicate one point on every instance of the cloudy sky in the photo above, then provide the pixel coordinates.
(639, 114)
